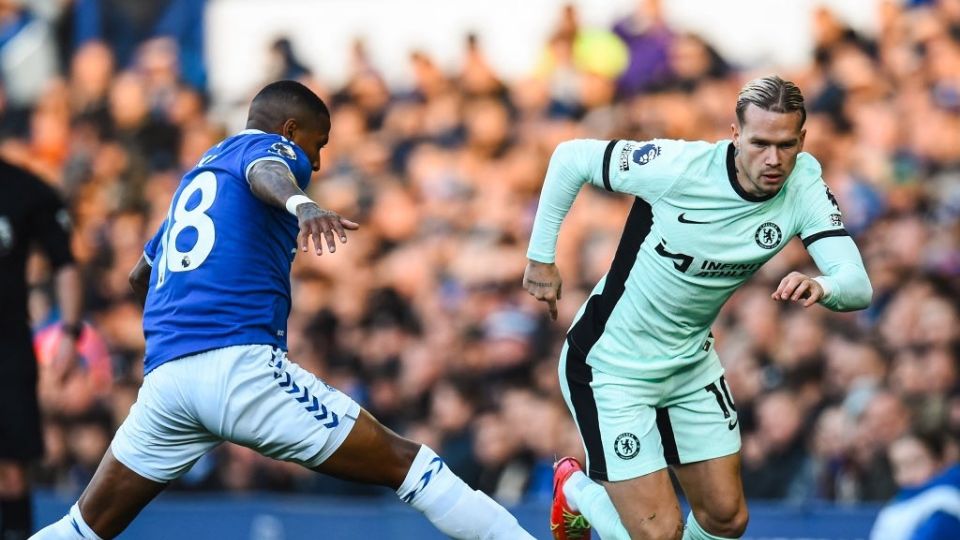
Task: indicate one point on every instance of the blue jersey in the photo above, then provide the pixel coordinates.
(221, 259)
(930, 511)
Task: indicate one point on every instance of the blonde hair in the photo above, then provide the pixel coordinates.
(771, 94)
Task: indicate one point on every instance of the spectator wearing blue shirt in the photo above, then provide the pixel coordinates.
(927, 507)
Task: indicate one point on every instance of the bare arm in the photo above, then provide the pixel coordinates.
(70, 294)
(273, 183)
(70, 298)
(140, 280)
(51, 229)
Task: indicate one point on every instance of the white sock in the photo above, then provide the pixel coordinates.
(452, 507)
(70, 527)
(572, 488)
(594, 503)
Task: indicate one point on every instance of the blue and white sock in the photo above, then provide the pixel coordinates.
(70, 527)
(452, 507)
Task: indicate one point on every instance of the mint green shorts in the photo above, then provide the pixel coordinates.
(631, 427)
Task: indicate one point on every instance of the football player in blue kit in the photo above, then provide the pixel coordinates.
(216, 284)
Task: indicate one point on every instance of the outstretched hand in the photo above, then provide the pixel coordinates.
(798, 287)
(315, 221)
(542, 280)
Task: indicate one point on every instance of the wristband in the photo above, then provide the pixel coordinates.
(295, 201)
(823, 285)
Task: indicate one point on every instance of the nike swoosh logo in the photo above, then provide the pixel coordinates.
(733, 424)
(683, 219)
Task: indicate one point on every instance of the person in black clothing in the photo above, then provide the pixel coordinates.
(31, 215)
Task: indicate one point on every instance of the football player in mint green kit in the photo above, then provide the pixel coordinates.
(638, 369)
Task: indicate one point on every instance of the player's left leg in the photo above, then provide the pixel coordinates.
(715, 493)
(375, 455)
(287, 413)
(703, 436)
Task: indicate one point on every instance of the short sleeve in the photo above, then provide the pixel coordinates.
(647, 169)
(821, 214)
(51, 225)
(153, 245)
(271, 147)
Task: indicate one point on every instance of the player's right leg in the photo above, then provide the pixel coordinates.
(286, 413)
(626, 492)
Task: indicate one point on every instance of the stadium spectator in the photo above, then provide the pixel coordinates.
(27, 54)
(284, 61)
(649, 38)
(126, 25)
(927, 507)
(775, 462)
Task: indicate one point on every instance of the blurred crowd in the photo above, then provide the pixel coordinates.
(421, 317)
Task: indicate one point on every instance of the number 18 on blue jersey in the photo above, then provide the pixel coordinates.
(221, 259)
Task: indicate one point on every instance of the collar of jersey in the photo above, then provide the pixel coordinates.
(252, 131)
(732, 175)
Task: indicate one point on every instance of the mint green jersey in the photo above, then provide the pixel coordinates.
(692, 238)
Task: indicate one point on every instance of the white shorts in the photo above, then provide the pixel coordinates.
(250, 395)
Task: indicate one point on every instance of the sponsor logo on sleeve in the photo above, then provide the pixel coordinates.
(624, 160)
(645, 154)
(836, 220)
(283, 150)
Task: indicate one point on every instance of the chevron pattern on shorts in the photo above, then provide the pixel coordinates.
(334, 419)
(328, 418)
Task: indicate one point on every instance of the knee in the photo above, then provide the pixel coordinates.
(726, 520)
(653, 527)
(736, 525)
